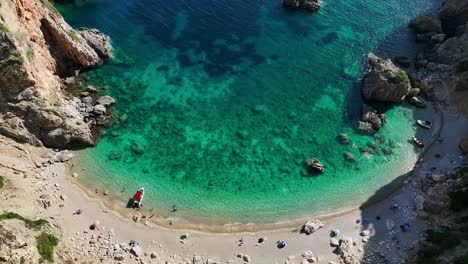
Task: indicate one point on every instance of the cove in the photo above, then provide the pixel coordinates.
(219, 102)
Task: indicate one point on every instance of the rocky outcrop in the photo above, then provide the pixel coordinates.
(384, 81)
(311, 5)
(441, 72)
(39, 49)
(314, 165)
(427, 23)
(371, 121)
(311, 226)
(98, 41)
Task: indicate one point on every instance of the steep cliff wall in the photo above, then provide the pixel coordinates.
(38, 49)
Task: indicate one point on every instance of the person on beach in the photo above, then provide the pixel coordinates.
(241, 242)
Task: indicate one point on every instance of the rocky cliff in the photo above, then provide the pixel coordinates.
(38, 50)
(441, 70)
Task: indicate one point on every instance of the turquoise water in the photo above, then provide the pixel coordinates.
(219, 102)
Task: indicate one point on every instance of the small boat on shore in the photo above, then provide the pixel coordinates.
(138, 198)
(424, 123)
(418, 142)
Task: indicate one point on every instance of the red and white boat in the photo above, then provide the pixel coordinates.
(138, 197)
(418, 142)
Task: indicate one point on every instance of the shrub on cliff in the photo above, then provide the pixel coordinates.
(45, 246)
(33, 224)
(402, 77)
(1, 182)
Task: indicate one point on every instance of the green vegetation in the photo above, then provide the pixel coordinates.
(402, 77)
(45, 246)
(57, 103)
(30, 53)
(1, 182)
(33, 224)
(4, 28)
(49, 6)
(72, 34)
(440, 241)
(462, 66)
(22, 260)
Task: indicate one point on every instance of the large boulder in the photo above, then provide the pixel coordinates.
(385, 81)
(311, 226)
(370, 116)
(426, 23)
(453, 14)
(453, 49)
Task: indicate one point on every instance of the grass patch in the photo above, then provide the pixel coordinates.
(49, 6)
(72, 34)
(1, 181)
(30, 53)
(45, 246)
(462, 66)
(4, 28)
(33, 224)
(402, 77)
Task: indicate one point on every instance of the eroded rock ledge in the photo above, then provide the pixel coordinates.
(38, 50)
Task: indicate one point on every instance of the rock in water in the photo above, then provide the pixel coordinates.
(385, 81)
(98, 41)
(314, 165)
(105, 101)
(427, 23)
(311, 226)
(371, 121)
(311, 5)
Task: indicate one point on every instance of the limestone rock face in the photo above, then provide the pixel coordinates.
(39, 49)
(384, 81)
(98, 41)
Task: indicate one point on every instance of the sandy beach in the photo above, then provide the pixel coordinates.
(36, 188)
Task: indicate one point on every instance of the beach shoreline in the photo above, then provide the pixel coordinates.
(114, 202)
(220, 244)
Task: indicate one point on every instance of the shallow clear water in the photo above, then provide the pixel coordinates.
(223, 100)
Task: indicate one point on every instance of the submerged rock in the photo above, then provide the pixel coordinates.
(349, 156)
(137, 148)
(344, 138)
